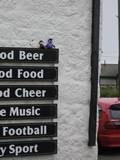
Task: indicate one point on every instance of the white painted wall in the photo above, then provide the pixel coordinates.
(22, 24)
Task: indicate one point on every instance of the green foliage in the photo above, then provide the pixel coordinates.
(108, 91)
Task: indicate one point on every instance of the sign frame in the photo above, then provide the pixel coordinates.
(50, 125)
(52, 144)
(48, 87)
(32, 68)
(50, 55)
(51, 110)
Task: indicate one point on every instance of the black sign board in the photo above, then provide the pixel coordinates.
(27, 148)
(29, 73)
(28, 111)
(33, 55)
(29, 130)
(20, 92)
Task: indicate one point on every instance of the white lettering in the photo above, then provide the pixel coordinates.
(21, 55)
(22, 149)
(2, 112)
(19, 131)
(6, 74)
(5, 93)
(23, 92)
(16, 111)
(2, 151)
(18, 92)
(11, 131)
(4, 55)
(12, 148)
(4, 130)
(30, 56)
(27, 130)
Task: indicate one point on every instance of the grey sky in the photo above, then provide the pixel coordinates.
(109, 31)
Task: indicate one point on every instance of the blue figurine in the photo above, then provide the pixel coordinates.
(50, 44)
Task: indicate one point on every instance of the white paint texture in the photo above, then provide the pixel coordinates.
(22, 24)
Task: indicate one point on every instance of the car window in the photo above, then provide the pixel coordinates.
(115, 111)
(99, 111)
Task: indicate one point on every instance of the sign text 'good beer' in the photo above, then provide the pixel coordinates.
(33, 55)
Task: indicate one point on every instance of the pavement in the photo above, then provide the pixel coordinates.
(110, 154)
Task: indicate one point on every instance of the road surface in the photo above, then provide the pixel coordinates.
(110, 154)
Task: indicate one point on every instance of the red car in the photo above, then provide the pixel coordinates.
(109, 122)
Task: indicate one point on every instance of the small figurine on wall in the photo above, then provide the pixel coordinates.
(41, 43)
(50, 44)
